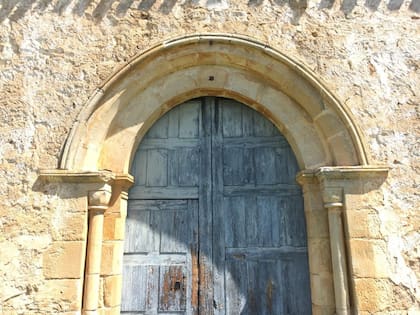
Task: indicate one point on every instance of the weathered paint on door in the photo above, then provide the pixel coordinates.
(215, 222)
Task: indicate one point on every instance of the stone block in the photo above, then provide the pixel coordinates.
(114, 228)
(64, 260)
(60, 296)
(317, 224)
(111, 311)
(353, 200)
(373, 295)
(243, 84)
(112, 290)
(363, 224)
(70, 226)
(323, 310)
(322, 289)
(329, 123)
(313, 199)
(369, 258)
(319, 255)
(112, 252)
(342, 147)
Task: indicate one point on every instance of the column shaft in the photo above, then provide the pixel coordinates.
(338, 256)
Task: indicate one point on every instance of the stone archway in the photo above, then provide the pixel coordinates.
(326, 141)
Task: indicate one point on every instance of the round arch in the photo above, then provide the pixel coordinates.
(319, 128)
(329, 147)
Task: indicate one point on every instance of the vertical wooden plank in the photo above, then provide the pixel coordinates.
(173, 167)
(133, 283)
(192, 259)
(231, 118)
(173, 122)
(205, 210)
(236, 287)
(174, 228)
(247, 121)
(137, 231)
(277, 217)
(172, 288)
(281, 166)
(292, 166)
(235, 227)
(296, 225)
(265, 163)
(139, 167)
(189, 119)
(248, 166)
(251, 223)
(264, 218)
(232, 161)
(157, 168)
(152, 287)
(188, 167)
(252, 293)
(263, 127)
(218, 215)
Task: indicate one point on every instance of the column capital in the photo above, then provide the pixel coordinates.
(99, 199)
(332, 197)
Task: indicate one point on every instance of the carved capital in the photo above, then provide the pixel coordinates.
(332, 197)
(99, 199)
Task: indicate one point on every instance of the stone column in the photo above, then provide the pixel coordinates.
(98, 201)
(334, 205)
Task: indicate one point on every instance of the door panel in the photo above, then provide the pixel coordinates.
(215, 221)
(258, 208)
(160, 246)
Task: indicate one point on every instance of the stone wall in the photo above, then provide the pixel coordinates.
(53, 54)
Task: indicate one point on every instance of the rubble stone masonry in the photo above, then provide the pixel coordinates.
(55, 53)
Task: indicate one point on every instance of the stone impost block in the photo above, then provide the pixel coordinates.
(111, 263)
(64, 260)
(369, 258)
(112, 290)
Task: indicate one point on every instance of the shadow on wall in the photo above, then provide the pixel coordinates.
(16, 9)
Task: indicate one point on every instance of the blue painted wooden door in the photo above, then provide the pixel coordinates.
(215, 221)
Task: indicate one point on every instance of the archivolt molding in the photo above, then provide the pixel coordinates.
(326, 141)
(319, 128)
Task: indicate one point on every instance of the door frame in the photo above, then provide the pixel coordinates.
(337, 173)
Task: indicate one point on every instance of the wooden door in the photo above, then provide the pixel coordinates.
(215, 221)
